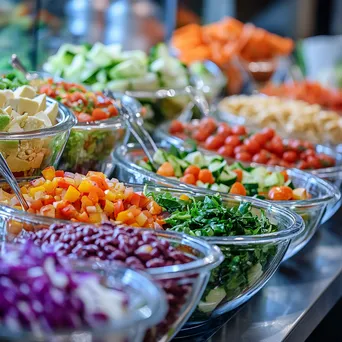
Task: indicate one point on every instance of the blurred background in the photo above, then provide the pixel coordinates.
(36, 28)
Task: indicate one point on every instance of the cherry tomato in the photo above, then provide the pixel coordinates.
(260, 158)
(273, 161)
(252, 146)
(326, 160)
(226, 151)
(239, 149)
(188, 179)
(232, 140)
(192, 170)
(295, 145)
(239, 130)
(224, 130)
(290, 156)
(314, 162)
(269, 133)
(303, 165)
(307, 153)
(308, 145)
(280, 193)
(243, 156)
(277, 146)
(286, 164)
(209, 124)
(214, 142)
(260, 138)
(238, 189)
(200, 135)
(206, 176)
(83, 117)
(239, 174)
(176, 127)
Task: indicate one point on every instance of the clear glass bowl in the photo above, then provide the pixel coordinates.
(147, 306)
(331, 174)
(312, 210)
(184, 284)
(28, 153)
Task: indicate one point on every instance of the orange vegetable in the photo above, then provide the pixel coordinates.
(166, 170)
(280, 193)
(49, 173)
(193, 170)
(239, 174)
(286, 176)
(238, 189)
(206, 176)
(188, 179)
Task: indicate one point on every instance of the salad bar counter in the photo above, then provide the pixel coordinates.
(138, 204)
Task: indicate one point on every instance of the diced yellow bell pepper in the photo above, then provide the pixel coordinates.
(49, 173)
(109, 207)
(95, 217)
(23, 190)
(85, 186)
(110, 195)
(124, 216)
(50, 187)
(72, 194)
(36, 189)
(184, 197)
(86, 202)
(141, 219)
(98, 208)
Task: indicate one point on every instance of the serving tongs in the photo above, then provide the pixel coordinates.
(135, 125)
(12, 182)
(17, 64)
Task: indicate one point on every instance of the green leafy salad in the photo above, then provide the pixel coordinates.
(209, 216)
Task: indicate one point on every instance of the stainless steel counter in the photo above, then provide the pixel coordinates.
(295, 300)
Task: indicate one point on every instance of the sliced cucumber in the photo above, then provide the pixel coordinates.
(220, 188)
(236, 165)
(145, 165)
(175, 164)
(227, 177)
(251, 188)
(289, 184)
(160, 157)
(216, 168)
(212, 159)
(195, 158)
(202, 185)
(273, 180)
(212, 300)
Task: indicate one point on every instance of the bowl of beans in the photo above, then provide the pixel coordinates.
(45, 297)
(306, 194)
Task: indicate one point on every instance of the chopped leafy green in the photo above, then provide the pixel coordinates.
(209, 216)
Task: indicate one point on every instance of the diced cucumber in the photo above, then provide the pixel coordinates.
(128, 69)
(220, 188)
(236, 165)
(289, 184)
(247, 177)
(118, 85)
(99, 55)
(227, 177)
(251, 188)
(259, 173)
(212, 300)
(75, 68)
(211, 159)
(160, 157)
(202, 185)
(176, 166)
(148, 82)
(195, 158)
(216, 168)
(145, 165)
(159, 51)
(274, 179)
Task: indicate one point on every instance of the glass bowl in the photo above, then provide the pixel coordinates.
(147, 306)
(184, 284)
(312, 210)
(331, 174)
(28, 153)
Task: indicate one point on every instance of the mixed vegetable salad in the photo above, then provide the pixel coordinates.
(264, 147)
(87, 147)
(108, 67)
(213, 172)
